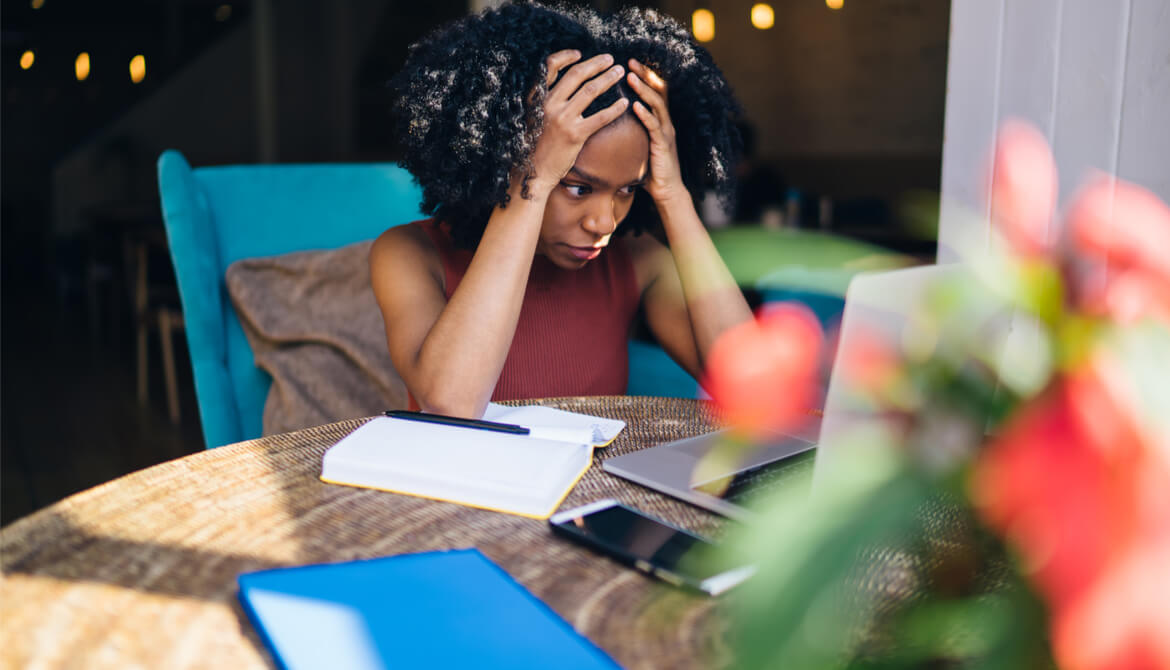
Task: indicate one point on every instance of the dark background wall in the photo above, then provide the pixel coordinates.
(868, 79)
(847, 103)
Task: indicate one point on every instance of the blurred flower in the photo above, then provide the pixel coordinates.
(1084, 495)
(1056, 448)
(1023, 188)
(1122, 621)
(1123, 234)
(762, 374)
(1079, 479)
(1124, 222)
(871, 365)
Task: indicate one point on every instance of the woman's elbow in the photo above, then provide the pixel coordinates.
(449, 401)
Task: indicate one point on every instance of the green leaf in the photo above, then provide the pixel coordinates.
(802, 608)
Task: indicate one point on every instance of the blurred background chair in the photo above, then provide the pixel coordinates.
(128, 272)
(792, 265)
(155, 299)
(217, 215)
(653, 372)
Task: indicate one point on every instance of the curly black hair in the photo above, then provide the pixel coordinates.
(469, 104)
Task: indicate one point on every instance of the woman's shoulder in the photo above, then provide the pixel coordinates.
(407, 247)
(412, 237)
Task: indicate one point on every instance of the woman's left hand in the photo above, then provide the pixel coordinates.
(665, 183)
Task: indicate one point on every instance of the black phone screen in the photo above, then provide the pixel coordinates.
(634, 536)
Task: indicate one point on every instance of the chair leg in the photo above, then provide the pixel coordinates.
(166, 322)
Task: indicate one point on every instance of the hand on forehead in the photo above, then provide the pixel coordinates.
(558, 62)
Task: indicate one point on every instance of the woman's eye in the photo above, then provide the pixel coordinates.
(576, 190)
(628, 190)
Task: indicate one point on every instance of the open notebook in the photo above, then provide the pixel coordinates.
(527, 475)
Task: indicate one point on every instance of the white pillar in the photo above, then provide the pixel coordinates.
(1091, 75)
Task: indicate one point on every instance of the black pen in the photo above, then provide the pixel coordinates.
(457, 421)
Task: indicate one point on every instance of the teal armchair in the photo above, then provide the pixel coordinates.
(653, 372)
(217, 215)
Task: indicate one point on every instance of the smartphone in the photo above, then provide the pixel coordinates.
(651, 545)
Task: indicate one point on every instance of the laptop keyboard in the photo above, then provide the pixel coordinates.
(749, 484)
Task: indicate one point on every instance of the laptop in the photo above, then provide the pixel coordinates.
(875, 303)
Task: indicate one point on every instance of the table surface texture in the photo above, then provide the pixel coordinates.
(141, 571)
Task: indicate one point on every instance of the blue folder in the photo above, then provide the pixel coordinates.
(441, 609)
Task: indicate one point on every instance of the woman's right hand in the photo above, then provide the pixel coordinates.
(565, 129)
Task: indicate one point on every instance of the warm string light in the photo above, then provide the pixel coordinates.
(138, 68)
(762, 16)
(26, 59)
(703, 25)
(37, 4)
(81, 66)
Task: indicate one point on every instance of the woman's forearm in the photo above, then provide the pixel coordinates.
(713, 299)
(461, 357)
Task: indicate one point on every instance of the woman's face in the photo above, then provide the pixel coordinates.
(593, 198)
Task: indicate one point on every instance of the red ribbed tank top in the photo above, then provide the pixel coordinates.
(574, 326)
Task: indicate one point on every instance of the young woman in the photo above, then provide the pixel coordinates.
(546, 141)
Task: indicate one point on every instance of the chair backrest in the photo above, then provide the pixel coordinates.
(653, 372)
(217, 215)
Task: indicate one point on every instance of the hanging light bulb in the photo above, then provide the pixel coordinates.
(26, 59)
(81, 66)
(703, 25)
(138, 68)
(835, 4)
(762, 16)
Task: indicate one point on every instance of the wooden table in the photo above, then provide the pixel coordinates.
(141, 571)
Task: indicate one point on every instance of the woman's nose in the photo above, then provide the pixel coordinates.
(602, 220)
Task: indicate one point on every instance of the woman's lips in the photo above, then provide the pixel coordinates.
(585, 253)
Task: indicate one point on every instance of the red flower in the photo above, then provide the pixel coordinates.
(1123, 230)
(1084, 496)
(871, 364)
(1125, 223)
(1023, 188)
(762, 373)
